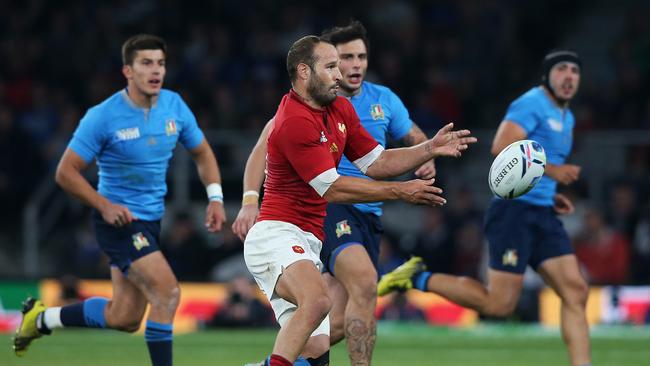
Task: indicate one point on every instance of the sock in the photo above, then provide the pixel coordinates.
(322, 360)
(277, 360)
(48, 320)
(300, 361)
(86, 314)
(159, 341)
(420, 280)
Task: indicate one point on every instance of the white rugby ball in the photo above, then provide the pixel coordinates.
(517, 169)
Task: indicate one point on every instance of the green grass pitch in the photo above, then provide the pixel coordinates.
(397, 344)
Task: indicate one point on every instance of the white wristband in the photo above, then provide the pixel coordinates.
(214, 192)
(251, 193)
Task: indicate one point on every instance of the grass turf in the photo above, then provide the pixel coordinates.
(397, 344)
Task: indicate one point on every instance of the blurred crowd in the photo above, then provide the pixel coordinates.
(460, 61)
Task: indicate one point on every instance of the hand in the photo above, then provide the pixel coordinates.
(565, 174)
(117, 215)
(562, 205)
(215, 216)
(421, 192)
(450, 143)
(245, 220)
(427, 170)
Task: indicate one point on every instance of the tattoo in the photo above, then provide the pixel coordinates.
(361, 340)
(414, 136)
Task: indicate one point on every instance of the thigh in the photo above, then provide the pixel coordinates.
(152, 275)
(504, 288)
(510, 234)
(563, 275)
(354, 269)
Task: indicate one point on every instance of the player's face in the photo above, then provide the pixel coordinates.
(565, 80)
(323, 83)
(353, 65)
(147, 72)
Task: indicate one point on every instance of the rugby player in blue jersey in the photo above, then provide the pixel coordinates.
(132, 135)
(353, 232)
(526, 231)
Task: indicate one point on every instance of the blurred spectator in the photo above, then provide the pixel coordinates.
(243, 308)
(186, 249)
(641, 250)
(69, 290)
(434, 243)
(398, 308)
(603, 251)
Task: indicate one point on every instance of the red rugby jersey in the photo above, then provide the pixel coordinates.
(304, 143)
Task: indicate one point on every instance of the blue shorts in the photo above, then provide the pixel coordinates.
(520, 234)
(345, 226)
(126, 244)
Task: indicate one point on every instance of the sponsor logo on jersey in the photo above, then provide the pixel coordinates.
(554, 124)
(298, 249)
(322, 137)
(170, 127)
(343, 228)
(342, 128)
(128, 133)
(376, 111)
(510, 258)
(334, 148)
(140, 241)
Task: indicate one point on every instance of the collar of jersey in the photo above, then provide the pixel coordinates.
(130, 103)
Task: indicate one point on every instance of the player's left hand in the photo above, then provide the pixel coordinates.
(427, 170)
(562, 205)
(215, 216)
(451, 143)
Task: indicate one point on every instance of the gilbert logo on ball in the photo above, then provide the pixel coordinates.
(517, 169)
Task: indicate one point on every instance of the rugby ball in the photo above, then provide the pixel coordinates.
(517, 169)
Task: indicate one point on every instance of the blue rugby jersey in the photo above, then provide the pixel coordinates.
(133, 147)
(380, 112)
(549, 125)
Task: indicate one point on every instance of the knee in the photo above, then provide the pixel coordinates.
(167, 298)
(500, 308)
(129, 325)
(364, 291)
(318, 307)
(577, 294)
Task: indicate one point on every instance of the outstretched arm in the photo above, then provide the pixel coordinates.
(358, 190)
(394, 162)
(253, 179)
(206, 165)
(416, 136)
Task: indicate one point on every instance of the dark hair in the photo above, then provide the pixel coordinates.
(302, 52)
(354, 30)
(141, 42)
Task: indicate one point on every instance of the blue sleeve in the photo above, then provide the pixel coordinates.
(400, 122)
(522, 112)
(88, 139)
(191, 135)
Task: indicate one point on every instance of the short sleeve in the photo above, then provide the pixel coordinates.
(191, 135)
(88, 139)
(359, 142)
(522, 112)
(299, 142)
(400, 122)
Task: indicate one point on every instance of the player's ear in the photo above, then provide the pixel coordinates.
(303, 71)
(127, 71)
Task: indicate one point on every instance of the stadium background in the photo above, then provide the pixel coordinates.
(447, 60)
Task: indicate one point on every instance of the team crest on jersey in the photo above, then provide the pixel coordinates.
(510, 258)
(298, 249)
(322, 137)
(342, 128)
(376, 111)
(140, 241)
(343, 228)
(554, 124)
(334, 148)
(128, 133)
(170, 127)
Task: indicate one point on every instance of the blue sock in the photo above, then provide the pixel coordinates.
(159, 341)
(86, 314)
(300, 361)
(420, 280)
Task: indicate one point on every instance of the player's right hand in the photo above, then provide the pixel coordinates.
(117, 215)
(245, 220)
(421, 192)
(565, 174)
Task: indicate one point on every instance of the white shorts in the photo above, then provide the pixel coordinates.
(272, 246)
